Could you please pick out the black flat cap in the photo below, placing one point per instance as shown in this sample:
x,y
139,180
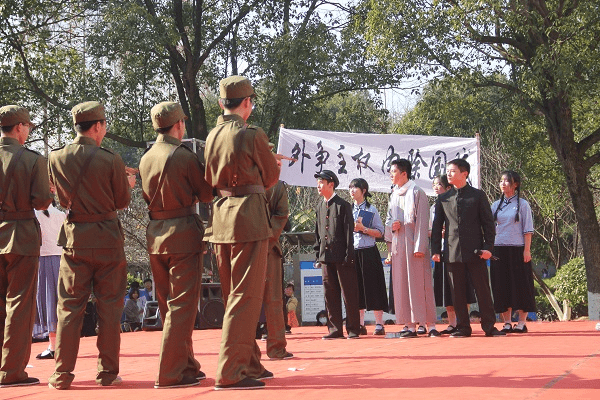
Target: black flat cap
x,y
329,176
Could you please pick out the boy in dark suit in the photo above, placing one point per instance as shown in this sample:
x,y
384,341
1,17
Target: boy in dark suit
x,y
335,255
470,234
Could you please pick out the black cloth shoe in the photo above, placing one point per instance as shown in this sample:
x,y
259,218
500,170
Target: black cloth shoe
x,y
353,335
459,334
449,330
363,330
184,382
408,335
265,375
244,384
333,335
507,328
45,355
434,333
200,376
421,330
495,332
25,382
515,329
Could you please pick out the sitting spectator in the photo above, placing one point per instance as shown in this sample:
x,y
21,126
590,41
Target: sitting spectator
x,y
147,292
132,312
291,304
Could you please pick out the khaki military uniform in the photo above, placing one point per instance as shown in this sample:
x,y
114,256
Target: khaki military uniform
x,y
92,240
175,246
273,300
238,161
20,242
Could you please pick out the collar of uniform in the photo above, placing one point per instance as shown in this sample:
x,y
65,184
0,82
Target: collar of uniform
x,y
230,117
462,189
7,141
168,139
330,200
84,140
359,206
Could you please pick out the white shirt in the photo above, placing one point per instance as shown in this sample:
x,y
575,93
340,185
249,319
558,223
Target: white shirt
x,y
50,227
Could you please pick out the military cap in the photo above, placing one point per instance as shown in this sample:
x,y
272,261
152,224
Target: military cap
x,y
13,115
328,176
235,87
166,114
88,111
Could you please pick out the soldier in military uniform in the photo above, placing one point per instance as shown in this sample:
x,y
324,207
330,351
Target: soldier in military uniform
x,y
24,186
172,183
240,165
91,183
273,300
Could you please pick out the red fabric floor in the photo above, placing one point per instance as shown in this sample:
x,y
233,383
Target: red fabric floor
x,y
554,360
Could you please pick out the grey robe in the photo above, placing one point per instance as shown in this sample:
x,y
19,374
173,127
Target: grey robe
x,y
411,276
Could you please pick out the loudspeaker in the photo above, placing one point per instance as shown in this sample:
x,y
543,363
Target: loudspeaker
x,y
210,307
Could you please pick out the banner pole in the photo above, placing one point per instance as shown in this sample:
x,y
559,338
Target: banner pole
x,y
478,138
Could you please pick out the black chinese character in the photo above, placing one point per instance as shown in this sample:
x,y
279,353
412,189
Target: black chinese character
x,y
296,152
362,161
390,156
322,156
438,164
416,160
342,163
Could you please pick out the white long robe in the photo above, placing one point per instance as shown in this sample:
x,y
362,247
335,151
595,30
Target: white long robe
x,y
411,276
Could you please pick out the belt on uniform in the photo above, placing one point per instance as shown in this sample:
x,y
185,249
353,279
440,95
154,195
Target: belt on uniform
x,y
168,214
16,215
91,217
241,190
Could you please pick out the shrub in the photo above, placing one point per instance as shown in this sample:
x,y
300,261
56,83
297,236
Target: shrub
x,y
570,283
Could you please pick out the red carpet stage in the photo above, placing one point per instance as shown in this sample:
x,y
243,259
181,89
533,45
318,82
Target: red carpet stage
x,y
559,360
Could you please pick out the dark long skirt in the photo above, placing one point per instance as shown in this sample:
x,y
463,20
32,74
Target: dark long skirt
x,y
441,287
372,294
46,300
512,280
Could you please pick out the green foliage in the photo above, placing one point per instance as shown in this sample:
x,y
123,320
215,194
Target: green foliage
x,y
131,279
570,283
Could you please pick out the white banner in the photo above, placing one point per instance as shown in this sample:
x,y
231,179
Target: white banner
x,y
368,156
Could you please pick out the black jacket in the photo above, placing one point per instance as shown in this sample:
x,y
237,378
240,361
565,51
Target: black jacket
x,y
334,232
469,224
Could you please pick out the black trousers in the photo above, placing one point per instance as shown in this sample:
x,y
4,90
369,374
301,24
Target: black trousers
x,y
339,280
478,272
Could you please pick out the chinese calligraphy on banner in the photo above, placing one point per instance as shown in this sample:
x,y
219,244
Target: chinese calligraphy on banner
x,y
368,156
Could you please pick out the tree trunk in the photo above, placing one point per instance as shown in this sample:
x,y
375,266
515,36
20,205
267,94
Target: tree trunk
x,y
559,125
196,124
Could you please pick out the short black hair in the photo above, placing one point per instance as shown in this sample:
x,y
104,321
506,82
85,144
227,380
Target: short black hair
x,y
7,128
85,126
403,166
133,290
290,285
462,164
443,178
147,280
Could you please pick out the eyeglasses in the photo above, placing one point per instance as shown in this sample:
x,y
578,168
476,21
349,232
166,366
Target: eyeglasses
x,y
252,99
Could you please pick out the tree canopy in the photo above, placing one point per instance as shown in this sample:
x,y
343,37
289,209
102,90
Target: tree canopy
x,y
547,53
